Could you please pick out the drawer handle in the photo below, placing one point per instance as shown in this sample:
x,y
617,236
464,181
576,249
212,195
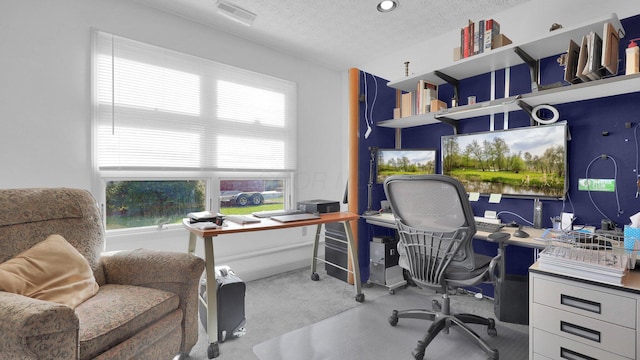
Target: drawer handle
x,y
572,355
580,331
587,305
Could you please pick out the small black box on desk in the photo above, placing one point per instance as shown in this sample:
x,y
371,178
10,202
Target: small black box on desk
x,y
319,206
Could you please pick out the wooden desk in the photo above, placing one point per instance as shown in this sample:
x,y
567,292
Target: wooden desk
x,y
387,220
264,224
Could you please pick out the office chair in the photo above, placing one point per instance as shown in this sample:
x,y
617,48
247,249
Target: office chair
x,y
436,228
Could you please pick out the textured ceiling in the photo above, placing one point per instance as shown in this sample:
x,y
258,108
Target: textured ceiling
x,y
338,34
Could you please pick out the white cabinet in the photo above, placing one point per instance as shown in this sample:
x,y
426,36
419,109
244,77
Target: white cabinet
x,y
583,320
555,42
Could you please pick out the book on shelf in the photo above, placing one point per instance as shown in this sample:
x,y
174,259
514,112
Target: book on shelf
x,y
406,104
464,45
425,93
479,39
491,33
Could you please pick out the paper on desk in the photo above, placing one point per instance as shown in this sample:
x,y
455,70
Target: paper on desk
x,y
635,220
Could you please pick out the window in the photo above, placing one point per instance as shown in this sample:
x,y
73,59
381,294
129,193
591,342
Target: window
x,y
160,113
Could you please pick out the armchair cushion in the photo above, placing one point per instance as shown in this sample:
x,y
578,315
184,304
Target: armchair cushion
x,y
118,311
51,270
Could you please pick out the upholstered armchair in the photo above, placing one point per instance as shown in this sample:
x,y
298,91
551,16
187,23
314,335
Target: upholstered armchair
x,y
61,298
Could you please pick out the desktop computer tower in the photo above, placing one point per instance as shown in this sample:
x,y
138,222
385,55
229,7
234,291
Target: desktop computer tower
x,y
511,299
383,267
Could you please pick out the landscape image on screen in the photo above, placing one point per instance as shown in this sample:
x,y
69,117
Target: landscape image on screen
x,y
404,162
528,162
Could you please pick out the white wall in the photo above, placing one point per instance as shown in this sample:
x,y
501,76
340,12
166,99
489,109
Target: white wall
x,y
528,21
45,110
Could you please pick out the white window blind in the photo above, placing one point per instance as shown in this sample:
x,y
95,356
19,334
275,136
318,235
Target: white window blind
x,y
160,109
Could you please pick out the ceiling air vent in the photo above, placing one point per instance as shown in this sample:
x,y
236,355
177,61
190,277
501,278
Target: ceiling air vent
x,y
235,13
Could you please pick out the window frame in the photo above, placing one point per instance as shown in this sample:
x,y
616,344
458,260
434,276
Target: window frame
x,y
212,176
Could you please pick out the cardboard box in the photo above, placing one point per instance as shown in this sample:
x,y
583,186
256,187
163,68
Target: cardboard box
x,y
437,105
456,54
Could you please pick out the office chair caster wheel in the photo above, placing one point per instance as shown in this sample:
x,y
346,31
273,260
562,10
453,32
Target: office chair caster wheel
x,y
315,277
491,328
418,355
393,319
360,298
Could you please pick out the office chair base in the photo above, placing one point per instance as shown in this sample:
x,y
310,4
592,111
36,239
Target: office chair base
x,y
442,322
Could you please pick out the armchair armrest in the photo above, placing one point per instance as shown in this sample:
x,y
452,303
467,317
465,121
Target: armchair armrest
x,y
31,326
143,267
175,272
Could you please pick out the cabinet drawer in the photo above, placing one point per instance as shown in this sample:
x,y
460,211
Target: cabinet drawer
x,y
553,347
579,299
537,356
585,330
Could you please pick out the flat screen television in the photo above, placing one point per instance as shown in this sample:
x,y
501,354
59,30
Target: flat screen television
x,y
404,162
528,162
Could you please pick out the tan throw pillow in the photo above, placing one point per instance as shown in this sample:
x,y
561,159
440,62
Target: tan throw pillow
x,y
52,270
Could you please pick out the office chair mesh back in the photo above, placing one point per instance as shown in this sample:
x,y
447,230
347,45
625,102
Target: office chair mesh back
x,y
435,226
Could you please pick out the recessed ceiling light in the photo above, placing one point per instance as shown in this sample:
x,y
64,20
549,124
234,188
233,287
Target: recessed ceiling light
x,y
387,5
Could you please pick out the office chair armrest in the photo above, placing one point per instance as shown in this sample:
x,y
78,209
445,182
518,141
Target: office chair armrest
x,y
499,237
496,266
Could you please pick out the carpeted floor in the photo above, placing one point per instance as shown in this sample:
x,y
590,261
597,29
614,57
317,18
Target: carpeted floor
x,y
282,303
291,317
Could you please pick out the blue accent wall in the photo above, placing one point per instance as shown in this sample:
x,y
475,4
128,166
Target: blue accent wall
x,y
587,120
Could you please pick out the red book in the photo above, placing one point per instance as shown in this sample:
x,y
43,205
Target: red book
x,y
465,44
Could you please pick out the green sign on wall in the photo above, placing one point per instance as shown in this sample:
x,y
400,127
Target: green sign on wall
x,y
606,185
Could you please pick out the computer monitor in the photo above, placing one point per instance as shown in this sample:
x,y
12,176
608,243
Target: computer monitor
x,y
404,162
529,162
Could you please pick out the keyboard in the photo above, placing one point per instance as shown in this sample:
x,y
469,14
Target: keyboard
x,y
271,213
488,227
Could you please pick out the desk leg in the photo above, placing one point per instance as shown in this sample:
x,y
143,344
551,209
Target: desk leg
x,y
192,243
354,261
212,299
316,242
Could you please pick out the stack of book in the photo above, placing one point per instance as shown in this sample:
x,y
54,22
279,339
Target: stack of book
x,y
421,101
478,37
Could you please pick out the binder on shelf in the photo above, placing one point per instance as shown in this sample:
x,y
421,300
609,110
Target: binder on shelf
x,y
571,63
582,60
592,68
610,49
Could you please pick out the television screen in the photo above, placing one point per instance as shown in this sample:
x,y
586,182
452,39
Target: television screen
x,y
404,162
519,162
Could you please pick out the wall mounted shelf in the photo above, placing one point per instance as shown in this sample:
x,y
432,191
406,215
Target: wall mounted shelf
x,y
553,43
565,94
